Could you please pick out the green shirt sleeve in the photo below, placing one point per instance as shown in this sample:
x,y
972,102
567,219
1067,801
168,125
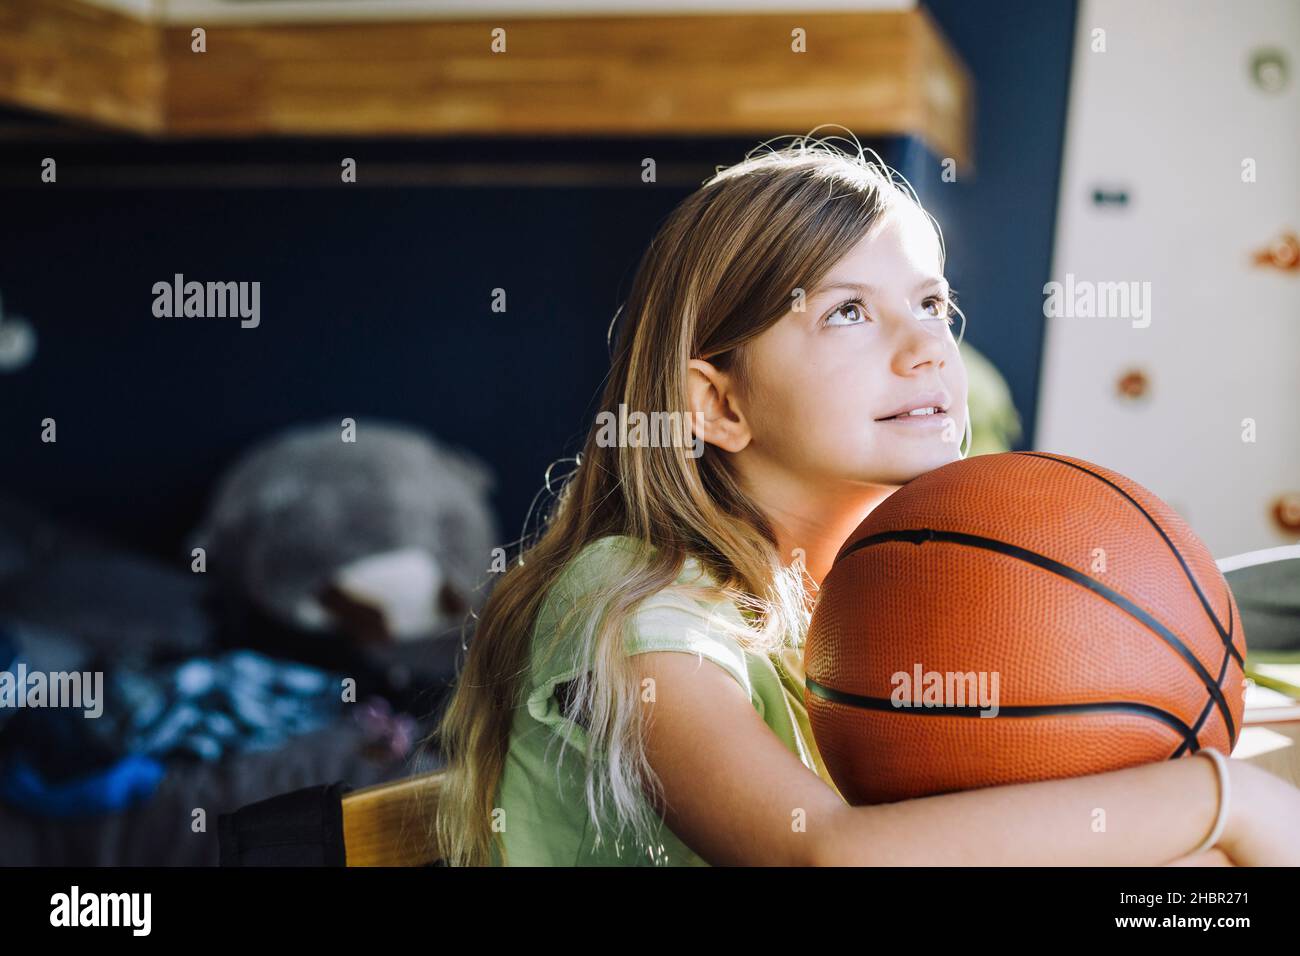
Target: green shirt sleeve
x,y
543,797
670,620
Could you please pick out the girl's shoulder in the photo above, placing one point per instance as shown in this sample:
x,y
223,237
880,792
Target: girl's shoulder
x,y
605,561
686,615
682,616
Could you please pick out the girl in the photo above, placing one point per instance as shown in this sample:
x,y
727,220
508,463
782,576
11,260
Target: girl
x,y
633,693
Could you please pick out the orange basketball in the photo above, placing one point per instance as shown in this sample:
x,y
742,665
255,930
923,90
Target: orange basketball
x,y
1066,602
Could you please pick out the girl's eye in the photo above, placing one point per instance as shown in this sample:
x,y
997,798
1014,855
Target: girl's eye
x,y
855,311
854,307
938,307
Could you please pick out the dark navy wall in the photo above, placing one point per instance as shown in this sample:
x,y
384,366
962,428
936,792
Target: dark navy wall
x,y
999,223
375,301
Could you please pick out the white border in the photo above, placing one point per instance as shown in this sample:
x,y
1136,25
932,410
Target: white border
x,y
201,12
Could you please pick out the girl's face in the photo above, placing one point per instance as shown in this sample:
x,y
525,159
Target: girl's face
x,y
874,338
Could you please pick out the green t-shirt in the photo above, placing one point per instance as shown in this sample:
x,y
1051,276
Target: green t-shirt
x,y
546,818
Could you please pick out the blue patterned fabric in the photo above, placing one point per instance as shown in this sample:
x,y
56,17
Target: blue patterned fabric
x,y
239,701
132,779
58,762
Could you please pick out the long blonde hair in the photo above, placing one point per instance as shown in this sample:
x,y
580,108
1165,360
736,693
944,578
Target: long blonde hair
x,y
721,269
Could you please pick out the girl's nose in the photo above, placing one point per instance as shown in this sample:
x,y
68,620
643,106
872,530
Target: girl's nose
x,y
918,345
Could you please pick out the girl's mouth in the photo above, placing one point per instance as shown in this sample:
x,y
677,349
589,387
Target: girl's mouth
x,y
931,417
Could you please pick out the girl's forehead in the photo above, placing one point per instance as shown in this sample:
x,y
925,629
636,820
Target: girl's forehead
x,y
903,231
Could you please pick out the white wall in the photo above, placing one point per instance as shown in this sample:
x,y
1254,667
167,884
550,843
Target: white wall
x,y
1169,112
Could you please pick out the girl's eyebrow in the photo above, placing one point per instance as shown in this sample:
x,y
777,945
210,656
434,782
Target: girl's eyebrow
x,y
866,291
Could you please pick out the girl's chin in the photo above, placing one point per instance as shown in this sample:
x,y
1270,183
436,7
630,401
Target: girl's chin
x,y
903,467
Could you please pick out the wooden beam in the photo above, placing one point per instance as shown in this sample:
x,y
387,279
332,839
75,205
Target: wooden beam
x,y
81,62
945,95
877,73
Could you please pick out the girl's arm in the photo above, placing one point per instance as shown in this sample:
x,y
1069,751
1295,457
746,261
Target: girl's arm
x,y
1214,857
736,795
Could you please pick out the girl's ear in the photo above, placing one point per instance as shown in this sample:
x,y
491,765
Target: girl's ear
x,y
714,405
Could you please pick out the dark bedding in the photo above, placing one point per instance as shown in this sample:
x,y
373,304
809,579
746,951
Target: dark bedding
x,y
71,601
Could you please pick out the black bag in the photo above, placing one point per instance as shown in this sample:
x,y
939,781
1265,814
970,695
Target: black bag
x,y
301,828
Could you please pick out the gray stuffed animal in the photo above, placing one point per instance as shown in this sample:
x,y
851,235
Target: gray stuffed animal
x,y
386,537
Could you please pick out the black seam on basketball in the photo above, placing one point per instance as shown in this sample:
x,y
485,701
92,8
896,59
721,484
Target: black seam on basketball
x,y
1232,731
1224,636
1033,710
1196,727
1209,704
921,535
1205,712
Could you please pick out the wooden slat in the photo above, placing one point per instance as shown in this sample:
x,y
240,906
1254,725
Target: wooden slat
x,y
82,62
390,824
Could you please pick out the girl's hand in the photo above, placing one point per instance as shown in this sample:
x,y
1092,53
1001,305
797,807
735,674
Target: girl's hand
x,y
1263,827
